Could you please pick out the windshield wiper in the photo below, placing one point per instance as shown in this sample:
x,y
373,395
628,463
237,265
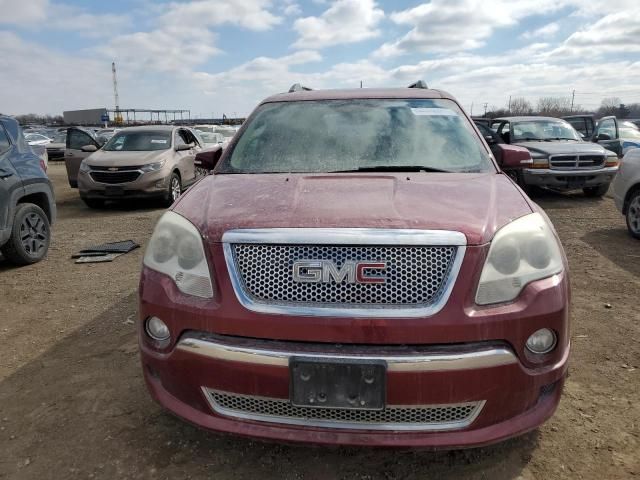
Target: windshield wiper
x,y
558,138
393,168
528,139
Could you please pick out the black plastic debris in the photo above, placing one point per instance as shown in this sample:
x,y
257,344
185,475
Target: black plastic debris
x,y
105,252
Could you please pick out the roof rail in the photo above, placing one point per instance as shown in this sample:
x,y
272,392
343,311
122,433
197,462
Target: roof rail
x,y
296,87
419,84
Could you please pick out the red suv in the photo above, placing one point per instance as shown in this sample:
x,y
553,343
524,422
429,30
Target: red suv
x,y
357,270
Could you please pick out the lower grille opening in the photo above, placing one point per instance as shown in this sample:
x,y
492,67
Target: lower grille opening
x,y
393,417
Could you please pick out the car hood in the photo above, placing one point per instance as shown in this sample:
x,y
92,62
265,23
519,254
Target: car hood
x,y
474,204
563,147
56,145
124,159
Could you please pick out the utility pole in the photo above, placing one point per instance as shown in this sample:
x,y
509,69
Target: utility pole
x,y
115,93
509,109
360,83
573,96
472,109
485,108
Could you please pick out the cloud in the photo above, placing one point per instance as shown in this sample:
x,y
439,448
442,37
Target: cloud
x,y
183,37
543,32
291,8
20,12
616,32
345,21
40,80
44,15
250,14
442,26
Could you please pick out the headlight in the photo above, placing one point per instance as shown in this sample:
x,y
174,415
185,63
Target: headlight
x,y
176,250
152,167
84,167
521,252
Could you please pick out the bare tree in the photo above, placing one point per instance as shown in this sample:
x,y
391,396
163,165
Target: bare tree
x,y
609,106
554,106
521,106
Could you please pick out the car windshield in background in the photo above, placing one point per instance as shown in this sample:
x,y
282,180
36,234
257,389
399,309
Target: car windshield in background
x,y
138,141
543,130
629,130
59,137
351,135
208,137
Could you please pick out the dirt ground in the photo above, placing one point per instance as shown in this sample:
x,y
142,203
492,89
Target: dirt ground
x,y
73,404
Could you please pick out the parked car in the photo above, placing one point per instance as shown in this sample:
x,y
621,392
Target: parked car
x,y
104,134
27,203
561,159
585,125
55,149
79,144
357,270
626,190
209,139
36,139
139,162
616,135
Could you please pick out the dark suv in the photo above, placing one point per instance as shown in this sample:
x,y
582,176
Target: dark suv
x,y
27,204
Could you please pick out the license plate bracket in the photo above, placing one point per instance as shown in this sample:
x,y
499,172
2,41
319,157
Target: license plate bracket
x,y
114,191
345,384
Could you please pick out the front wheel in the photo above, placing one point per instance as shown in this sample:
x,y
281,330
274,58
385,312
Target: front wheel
x,y
30,236
174,190
597,191
633,214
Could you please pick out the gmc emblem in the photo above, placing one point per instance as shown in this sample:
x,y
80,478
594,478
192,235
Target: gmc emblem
x,y
325,271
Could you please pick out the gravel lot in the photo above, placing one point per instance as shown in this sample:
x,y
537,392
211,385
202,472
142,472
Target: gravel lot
x,y
73,404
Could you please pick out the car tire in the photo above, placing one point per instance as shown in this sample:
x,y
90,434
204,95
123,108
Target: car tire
x,y
633,214
174,190
30,236
93,202
597,191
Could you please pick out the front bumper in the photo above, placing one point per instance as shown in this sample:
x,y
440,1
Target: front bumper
x,y
513,393
147,185
568,179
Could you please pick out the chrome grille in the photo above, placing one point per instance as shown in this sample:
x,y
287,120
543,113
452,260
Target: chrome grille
x,y
115,177
573,162
398,417
415,275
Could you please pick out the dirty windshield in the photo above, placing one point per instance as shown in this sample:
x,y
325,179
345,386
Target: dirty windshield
x,y
351,135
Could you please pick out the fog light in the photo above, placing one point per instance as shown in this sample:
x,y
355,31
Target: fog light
x,y
542,341
157,329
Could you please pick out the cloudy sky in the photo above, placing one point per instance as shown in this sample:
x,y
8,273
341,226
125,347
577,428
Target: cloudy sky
x,y
215,56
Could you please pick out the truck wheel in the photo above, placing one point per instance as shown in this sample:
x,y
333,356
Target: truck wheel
x,y
633,214
597,191
174,190
30,236
93,202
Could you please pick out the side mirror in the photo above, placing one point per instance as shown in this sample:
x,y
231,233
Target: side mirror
x,y
603,136
208,159
515,157
183,147
490,140
89,148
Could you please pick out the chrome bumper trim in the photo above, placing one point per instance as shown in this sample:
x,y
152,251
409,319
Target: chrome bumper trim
x,y
482,358
570,173
280,411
